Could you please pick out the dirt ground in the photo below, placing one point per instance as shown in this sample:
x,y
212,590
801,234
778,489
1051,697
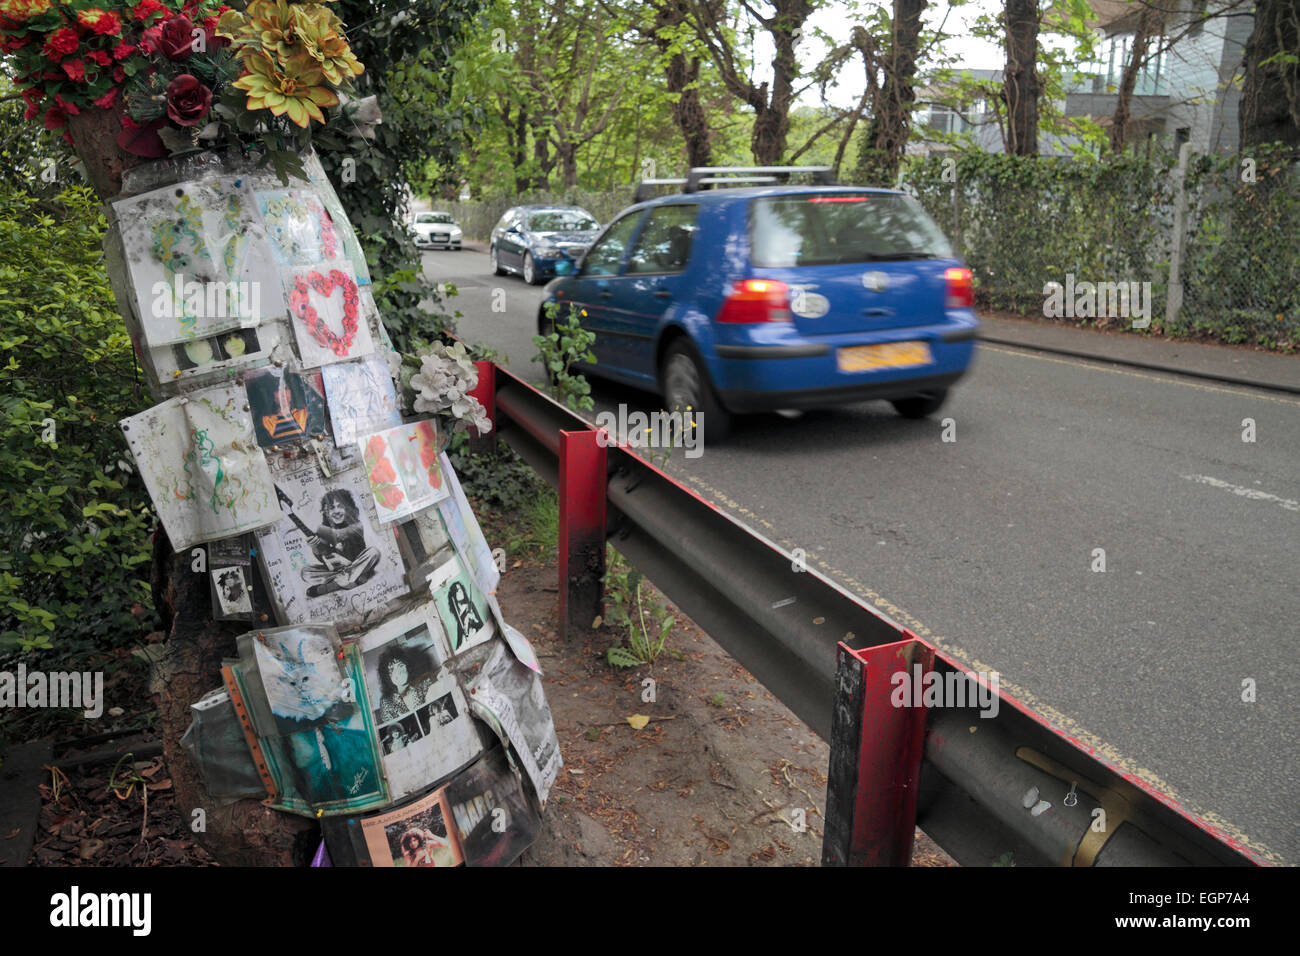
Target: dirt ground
x,y
721,773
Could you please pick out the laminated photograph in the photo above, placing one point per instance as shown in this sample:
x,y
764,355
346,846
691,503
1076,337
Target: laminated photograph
x,y
352,250
287,405
300,230
184,362
230,572
217,747
362,399
462,608
402,467
326,314
199,260
328,558
301,683
202,465
415,835
329,768
511,699
466,533
425,731
494,821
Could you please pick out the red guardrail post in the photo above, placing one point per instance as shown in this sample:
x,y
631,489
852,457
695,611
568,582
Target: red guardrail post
x,y
486,393
875,764
583,477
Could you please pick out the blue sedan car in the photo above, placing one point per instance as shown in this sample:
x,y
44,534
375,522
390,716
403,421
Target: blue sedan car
x,y
533,240
778,297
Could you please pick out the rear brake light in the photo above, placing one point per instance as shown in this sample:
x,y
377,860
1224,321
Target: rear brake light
x,y
961,291
840,199
757,300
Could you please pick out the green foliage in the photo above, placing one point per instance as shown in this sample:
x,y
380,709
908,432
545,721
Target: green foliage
x,y
538,525
626,612
499,479
718,699
566,344
74,521
1023,221
1242,269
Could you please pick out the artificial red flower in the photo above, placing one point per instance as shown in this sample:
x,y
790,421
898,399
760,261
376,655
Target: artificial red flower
x,y
188,100
60,43
101,21
119,74
76,70
11,43
142,140
106,101
33,97
55,118
123,50
147,8
176,41
65,106
100,57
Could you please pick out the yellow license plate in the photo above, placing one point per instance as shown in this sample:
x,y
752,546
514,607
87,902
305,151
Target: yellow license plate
x,y
866,358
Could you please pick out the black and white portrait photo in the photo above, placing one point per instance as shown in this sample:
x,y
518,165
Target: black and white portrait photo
x,y
232,591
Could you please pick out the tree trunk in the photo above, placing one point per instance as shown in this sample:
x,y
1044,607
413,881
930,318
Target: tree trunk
x,y
1020,82
1128,82
244,833
885,138
681,74
567,154
1270,95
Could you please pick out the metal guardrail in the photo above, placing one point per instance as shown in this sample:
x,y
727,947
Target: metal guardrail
x,y
964,779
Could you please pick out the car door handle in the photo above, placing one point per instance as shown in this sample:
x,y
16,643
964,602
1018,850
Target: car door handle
x,y
877,311
663,294
606,295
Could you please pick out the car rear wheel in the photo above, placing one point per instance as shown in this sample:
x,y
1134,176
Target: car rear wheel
x,y
686,388
496,263
918,406
530,269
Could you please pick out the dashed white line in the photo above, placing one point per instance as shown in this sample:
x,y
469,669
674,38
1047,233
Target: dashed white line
x,y
1253,494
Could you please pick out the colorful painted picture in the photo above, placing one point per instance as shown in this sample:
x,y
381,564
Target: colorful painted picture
x,y
325,192
301,681
328,559
461,606
287,405
201,464
415,835
298,226
402,467
199,260
425,731
332,767
326,314
362,399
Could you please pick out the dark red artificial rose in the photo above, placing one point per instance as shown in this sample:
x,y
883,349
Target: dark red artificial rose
x,y
60,43
188,100
176,39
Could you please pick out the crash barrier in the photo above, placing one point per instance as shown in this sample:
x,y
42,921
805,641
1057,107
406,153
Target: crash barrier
x,y
990,781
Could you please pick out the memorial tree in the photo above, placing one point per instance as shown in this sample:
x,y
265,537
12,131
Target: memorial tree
x,y
335,662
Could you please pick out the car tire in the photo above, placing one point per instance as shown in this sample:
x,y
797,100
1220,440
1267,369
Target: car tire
x,y
530,269
918,406
684,383
496,263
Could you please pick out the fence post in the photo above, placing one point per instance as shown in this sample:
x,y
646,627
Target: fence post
x,y
583,480
875,763
486,393
1174,293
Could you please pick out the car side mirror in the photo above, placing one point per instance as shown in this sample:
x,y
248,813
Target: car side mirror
x,y
564,268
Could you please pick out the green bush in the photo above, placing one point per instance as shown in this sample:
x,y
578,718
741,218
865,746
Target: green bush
x,y
75,521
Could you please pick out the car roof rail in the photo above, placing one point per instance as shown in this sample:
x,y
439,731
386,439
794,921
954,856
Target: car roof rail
x,y
717,175
645,189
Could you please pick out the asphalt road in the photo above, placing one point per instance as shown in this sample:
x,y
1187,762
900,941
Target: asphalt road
x,y
986,546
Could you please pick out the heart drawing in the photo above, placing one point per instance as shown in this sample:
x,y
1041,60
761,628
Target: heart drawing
x,y
325,286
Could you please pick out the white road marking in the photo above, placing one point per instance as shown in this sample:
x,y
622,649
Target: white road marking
x,y
1251,493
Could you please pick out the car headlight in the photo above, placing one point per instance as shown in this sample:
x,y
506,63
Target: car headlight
x,y
548,252
455,232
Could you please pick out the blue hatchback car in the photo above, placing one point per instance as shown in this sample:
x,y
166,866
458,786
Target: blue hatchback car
x,y
780,297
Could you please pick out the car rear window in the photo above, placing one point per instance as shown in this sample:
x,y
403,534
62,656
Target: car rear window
x,y
561,220
829,228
